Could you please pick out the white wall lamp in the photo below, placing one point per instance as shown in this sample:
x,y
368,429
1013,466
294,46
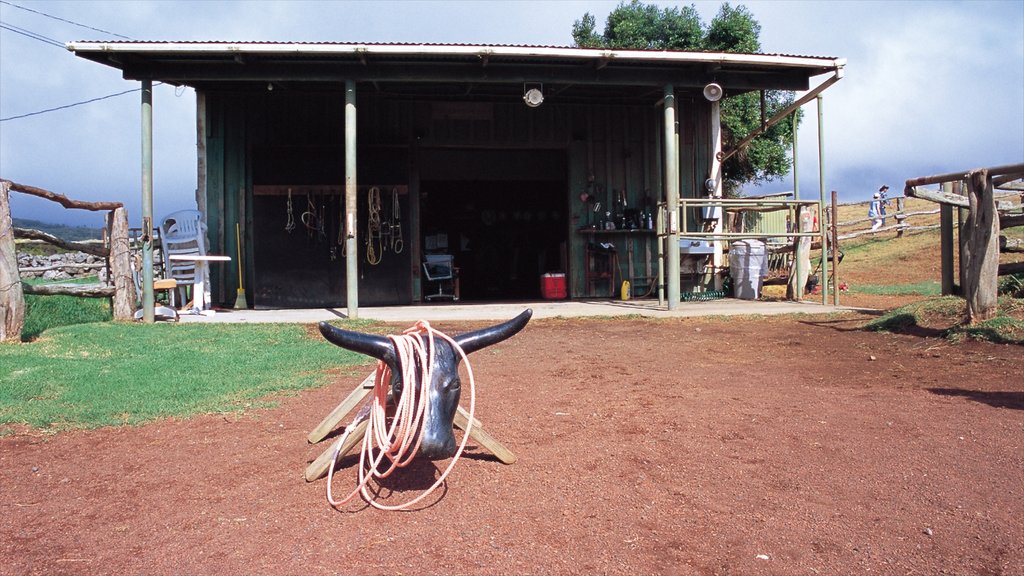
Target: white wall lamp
x,y
533,96
713,92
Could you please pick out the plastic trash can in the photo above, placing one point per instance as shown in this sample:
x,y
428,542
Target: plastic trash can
x,y
748,264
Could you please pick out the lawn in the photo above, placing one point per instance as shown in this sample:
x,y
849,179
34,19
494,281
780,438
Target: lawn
x,y
99,374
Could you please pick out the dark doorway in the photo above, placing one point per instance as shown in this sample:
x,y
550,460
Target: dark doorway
x,y
503,234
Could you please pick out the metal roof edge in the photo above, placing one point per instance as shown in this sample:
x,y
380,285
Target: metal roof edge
x,y
457,50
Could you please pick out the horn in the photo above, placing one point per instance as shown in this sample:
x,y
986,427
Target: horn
x,y
473,341
379,347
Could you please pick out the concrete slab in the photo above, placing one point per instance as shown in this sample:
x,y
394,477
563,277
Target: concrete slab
x,y
436,312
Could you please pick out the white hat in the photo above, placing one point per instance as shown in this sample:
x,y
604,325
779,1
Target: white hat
x,y
877,195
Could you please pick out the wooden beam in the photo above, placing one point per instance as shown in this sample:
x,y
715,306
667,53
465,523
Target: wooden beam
x,y
86,290
95,250
1010,221
1011,268
952,199
1010,245
62,199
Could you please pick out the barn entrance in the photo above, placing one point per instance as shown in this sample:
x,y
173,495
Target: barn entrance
x,y
505,227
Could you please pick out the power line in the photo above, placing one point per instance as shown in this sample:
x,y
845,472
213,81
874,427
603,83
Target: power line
x,y
30,34
66,106
13,5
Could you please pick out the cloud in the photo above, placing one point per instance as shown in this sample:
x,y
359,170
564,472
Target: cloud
x,y
930,86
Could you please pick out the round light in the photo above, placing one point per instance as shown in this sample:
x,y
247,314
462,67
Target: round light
x,y
713,92
533,97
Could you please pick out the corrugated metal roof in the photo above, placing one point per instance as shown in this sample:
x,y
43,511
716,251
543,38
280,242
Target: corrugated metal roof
x,y
434,44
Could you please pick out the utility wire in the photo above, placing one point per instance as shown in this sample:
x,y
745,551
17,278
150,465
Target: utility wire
x,y
30,34
13,5
75,104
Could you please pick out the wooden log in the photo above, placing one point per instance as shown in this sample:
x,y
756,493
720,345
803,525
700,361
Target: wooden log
x,y
12,299
62,199
120,260
953,199
1011,268
895,227
84,290
1010,245
72,266
94,249
981,254
318,468
338,414
483,437
1006,221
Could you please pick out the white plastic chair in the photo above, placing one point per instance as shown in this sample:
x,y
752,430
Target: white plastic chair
x,y
183,232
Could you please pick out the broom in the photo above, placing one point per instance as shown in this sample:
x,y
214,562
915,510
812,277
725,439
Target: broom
x,y
240,302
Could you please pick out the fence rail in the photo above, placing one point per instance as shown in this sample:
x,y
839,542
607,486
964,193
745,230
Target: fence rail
x,y
120,286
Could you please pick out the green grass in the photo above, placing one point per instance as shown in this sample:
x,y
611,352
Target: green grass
x,y
91,375
927,288
43,312
944,317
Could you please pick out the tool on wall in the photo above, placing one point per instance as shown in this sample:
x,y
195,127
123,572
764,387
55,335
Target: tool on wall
x,y
394,225
374,243
290,222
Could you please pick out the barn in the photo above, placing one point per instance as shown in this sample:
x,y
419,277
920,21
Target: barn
x,y
344,166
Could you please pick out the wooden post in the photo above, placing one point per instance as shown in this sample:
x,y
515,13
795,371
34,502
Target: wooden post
x,y
12,300
121,265
981,254
835,247
946,243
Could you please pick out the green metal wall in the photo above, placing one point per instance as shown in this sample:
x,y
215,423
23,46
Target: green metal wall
x,y
607,148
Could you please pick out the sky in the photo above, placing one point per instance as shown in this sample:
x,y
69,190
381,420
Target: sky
x,y
930,87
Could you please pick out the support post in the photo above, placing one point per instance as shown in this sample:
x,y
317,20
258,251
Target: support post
x,y
834,229
351,202
946,242
716,173
821,203
147,202
12,299
120,261
671,199
981,257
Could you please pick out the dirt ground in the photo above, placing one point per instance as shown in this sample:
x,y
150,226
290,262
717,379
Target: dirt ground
x,y
796,445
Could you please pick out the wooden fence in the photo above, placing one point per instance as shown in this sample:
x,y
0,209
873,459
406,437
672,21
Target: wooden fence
x,y
979,226
120,286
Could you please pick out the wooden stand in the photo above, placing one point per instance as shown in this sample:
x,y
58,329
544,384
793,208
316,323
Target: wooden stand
x,y
318,468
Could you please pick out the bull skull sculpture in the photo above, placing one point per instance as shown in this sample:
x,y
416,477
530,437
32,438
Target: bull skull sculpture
x,y
438,439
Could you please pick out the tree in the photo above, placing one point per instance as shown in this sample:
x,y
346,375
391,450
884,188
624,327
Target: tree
x,y
640,26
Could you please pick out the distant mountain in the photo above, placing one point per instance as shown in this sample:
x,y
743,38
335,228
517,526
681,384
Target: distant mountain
x,y
62,231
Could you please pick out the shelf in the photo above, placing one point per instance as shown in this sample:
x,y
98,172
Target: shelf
x,y
596,232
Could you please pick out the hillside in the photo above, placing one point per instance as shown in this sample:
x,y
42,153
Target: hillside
x,y
63,231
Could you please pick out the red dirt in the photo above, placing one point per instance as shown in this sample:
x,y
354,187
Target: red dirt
x,y
679,447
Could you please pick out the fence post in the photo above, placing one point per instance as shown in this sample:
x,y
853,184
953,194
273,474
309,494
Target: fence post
x,y
981,257
12,299
120,262
946,243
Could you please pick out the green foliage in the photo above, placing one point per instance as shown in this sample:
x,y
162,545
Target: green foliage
x,y
733,30
1012,285
91,375
642,26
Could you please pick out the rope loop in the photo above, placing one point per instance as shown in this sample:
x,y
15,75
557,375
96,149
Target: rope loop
x,y
399,440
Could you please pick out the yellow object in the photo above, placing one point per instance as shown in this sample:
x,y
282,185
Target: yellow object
x,y
240,302
625,290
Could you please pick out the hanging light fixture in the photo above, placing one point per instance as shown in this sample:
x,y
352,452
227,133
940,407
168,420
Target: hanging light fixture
x,y
533,96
